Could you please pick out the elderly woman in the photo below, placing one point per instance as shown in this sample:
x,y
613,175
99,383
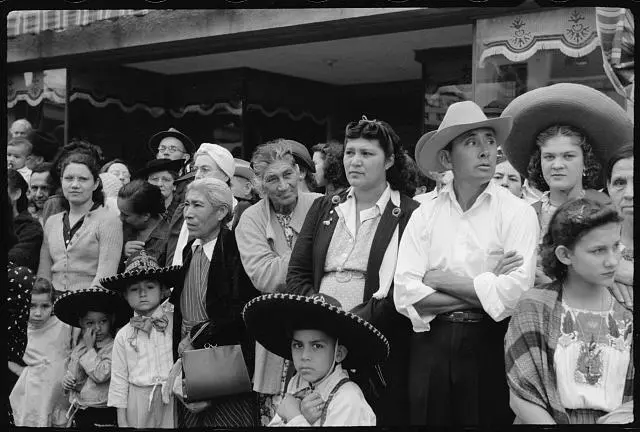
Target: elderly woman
x,y
163,173
348,249
215,290
508,177
83,243
141,208
266,234
619,174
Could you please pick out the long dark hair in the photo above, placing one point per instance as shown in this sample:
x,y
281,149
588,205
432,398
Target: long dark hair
x,y
399,176
75,146
16,182
92,164
143,197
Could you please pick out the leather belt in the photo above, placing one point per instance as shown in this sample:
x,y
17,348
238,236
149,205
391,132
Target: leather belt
x,y
464,316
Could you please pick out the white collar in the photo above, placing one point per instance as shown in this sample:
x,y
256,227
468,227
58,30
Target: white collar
x,y
382,201
489,191
207,247
325,387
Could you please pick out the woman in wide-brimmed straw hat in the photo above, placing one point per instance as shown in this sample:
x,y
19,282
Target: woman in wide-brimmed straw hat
x,y
99,312
561,137
320,338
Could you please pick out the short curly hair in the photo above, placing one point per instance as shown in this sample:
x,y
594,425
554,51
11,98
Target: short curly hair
x,y
333,153
572,221
592,167
399,176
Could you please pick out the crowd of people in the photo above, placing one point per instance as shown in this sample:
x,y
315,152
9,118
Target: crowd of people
x,y
485,280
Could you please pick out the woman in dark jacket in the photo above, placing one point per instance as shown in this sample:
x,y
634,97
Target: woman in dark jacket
x,y
348,246
26,252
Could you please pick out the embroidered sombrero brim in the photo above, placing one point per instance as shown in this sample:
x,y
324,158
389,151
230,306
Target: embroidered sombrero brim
x,y
271,319
166,275
73,305
605,123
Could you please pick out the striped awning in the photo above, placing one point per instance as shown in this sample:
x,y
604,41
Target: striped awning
x,y
36,21
616,33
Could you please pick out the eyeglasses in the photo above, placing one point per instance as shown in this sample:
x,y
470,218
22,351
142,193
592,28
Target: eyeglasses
x,y
172,149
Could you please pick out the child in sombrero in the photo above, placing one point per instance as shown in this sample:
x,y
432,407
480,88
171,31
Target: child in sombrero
x,y
143,350
323,340
98,312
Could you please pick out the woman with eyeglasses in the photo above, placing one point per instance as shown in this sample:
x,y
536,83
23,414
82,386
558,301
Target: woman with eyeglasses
x,y
266,234
348,249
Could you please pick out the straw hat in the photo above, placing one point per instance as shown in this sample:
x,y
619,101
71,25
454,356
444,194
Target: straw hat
x,y
71,306
142,266
154,141
460,117
605,124
271,319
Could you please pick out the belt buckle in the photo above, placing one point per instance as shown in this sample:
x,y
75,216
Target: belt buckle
x,y
343,276
457,316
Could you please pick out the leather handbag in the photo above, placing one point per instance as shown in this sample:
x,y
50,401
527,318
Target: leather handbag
x,y
214,371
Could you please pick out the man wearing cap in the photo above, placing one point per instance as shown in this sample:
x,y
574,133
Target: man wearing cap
x,y
243,189
465,259
210,161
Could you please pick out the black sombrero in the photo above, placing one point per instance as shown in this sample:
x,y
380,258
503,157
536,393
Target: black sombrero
x,y
157,165
605,123
142,266
271,319
154,141
73,305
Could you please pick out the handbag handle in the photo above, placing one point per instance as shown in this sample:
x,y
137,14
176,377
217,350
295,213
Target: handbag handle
x,y
200,330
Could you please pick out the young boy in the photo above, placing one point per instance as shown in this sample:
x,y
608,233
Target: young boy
x,y
18,150
98,312
143,350
320,337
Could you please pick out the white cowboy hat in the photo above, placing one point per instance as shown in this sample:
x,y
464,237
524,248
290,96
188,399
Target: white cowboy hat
x,y
460,117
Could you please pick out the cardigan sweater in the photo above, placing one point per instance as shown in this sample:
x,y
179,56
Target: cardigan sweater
x,y
388,399
26,252
93,253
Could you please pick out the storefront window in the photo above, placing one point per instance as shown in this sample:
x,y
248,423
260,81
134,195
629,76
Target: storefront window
x,y
520,53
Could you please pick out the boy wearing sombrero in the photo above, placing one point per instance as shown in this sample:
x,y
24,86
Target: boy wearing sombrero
x,y
322,340
99,313
464,261
143,348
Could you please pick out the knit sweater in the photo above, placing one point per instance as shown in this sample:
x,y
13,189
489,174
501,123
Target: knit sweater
x,y
93,253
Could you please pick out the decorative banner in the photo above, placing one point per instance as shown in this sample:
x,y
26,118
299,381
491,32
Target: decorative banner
x,y
518,37
36,21
287,112
616,33
34,87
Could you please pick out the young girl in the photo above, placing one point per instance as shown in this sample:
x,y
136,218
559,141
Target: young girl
x,y
37,400
98,312
568,347
143,350
319,337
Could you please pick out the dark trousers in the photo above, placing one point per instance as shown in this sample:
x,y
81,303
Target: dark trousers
x,y
457,375
96,417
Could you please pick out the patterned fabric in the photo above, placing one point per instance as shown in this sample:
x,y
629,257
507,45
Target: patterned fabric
x,y
228,411
145,324
546,212
530,344
193,298
285,222
91,369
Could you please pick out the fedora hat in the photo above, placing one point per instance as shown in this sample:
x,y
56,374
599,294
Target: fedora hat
x,y
157,165
605,124
243,169
272,318
71,306
460,117
154,141
142,266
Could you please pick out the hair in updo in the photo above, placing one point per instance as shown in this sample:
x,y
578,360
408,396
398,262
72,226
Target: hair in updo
x,y
592,167
572,221
399,176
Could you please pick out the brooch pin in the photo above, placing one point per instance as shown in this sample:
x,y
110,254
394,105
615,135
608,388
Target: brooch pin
x,y
396,212
327,222
335,199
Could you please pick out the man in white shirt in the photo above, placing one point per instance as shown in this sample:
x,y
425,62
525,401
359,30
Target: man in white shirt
x,y
465,259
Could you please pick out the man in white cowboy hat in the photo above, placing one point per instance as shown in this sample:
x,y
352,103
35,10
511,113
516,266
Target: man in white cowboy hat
x,y
464,260
210,161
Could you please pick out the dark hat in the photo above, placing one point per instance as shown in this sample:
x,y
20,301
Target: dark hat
x,y
142,266
301,154
157,165
272,318
44,144
71,306
606,125
154,142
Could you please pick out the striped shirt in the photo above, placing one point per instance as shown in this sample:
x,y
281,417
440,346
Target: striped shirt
x,y
194,294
